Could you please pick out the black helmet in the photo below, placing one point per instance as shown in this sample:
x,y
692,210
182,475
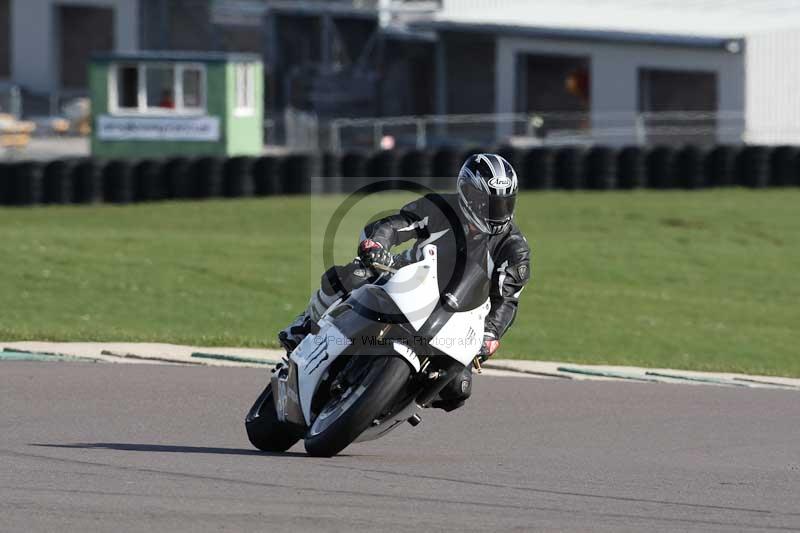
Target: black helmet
x,y
487,190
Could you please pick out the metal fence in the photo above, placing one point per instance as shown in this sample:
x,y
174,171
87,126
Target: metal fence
x,y
535,129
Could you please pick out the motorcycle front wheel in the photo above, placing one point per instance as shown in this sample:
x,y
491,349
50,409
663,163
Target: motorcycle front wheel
x,y
265,431
348,414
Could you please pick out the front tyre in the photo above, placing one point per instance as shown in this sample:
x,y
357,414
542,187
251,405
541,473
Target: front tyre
x,y
264,430
347,415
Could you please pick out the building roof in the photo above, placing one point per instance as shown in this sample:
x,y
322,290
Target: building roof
x,y
608,36
177,56
679,19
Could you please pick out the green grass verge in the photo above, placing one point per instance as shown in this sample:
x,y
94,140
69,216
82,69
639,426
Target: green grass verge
x,y
703,280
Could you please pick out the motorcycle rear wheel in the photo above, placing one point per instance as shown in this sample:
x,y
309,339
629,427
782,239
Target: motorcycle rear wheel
x,y
344,418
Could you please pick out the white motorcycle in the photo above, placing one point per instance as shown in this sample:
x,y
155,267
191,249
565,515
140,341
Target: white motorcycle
x,y
378,358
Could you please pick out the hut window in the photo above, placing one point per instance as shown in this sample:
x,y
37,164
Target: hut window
x,y
192,88
245,88
127,87
158,88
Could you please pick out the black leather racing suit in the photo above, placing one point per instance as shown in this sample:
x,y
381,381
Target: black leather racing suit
x,y
435,219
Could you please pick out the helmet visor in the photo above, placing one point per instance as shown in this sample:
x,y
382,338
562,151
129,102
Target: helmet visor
x,y
488,207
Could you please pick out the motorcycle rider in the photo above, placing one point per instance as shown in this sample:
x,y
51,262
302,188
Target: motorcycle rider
x,y
482,210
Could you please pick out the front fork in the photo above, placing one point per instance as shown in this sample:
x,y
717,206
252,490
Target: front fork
x,y
438,380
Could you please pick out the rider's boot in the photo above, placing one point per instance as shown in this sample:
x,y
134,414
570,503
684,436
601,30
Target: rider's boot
x,y
455,393
306,322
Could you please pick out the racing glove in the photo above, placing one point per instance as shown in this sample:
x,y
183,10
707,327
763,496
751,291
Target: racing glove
x,y
373,253
489,347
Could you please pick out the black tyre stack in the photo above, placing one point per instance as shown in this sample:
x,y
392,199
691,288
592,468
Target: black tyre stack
x,y
783,165
237,177
540,169
267,172
569,168
118,183
26,183
87,182
5,183
147,184
331,173
689,168
57,182
601,169
416,166
446,165
383,166
753,167
206,176
354,171
661,167
631,168
721,166
298,171
176,179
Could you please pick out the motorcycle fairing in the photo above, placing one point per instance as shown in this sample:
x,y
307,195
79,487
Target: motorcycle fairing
x,y
451,340
415,288
312,357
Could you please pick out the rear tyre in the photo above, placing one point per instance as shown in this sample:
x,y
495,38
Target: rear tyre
x,y
265,431
345,417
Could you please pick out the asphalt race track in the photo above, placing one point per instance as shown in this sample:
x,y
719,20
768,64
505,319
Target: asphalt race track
x,y
105,447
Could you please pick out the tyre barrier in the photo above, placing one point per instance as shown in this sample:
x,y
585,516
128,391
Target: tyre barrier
x,y
721,166
206,175
331,165
266,171
5,183
330,174
385,164
26,183
446,164
598,168
515,156
753,167
237,177
354,171
689,168
118,187
415,166
147,184
601,169
57,182
631,168
660,165
175,178
87,182
298,170
783,166
569,168
540,170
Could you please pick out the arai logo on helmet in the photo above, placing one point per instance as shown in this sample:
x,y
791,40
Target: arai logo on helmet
x,y
500,182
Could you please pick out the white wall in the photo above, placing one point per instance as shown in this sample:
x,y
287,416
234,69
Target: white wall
x,y
717,18
34,38
615,78
773,88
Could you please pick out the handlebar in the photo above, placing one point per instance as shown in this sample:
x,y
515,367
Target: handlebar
x,y
384,268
